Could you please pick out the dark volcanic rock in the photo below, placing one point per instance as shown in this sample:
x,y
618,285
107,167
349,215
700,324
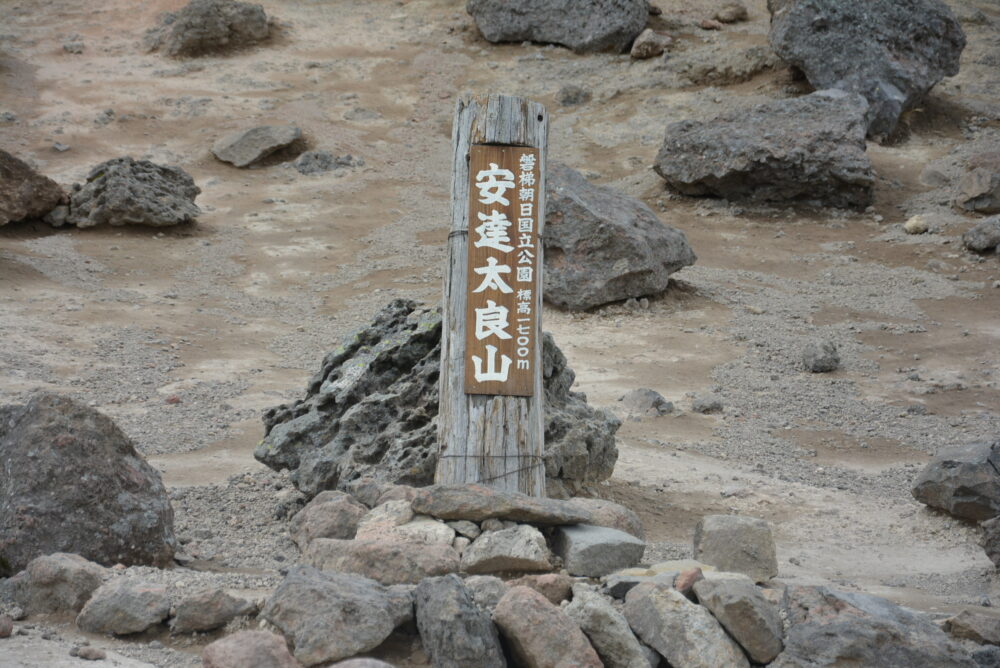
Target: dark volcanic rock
x,y
809,149
454,631
602,246
890,51
979,190
983,236
71,481
137,192
207,26
372,409
582,25
990,540
963,481
832,628
24,193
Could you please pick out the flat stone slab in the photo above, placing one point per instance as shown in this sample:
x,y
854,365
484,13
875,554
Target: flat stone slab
x,y
594,551
245,147
477,503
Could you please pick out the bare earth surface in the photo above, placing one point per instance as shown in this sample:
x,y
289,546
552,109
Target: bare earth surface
x,y
233,314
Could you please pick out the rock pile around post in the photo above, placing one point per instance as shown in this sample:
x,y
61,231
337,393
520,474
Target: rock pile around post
x,y
809,149
371,412
890,52
602,246
584,25
125,191
24,193
80,487
209,26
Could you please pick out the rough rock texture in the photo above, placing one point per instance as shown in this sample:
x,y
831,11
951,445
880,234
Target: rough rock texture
x,y
245,147
486,590
207,610
983,236
539,634
124,606
685,634
54,583
890,51
389,562
809,149
963,481
606,513
71,481
478,502
594,551
209,26
454,631
737,545
372,409
330,514
603,246
607,629
519,548
646,402
582,25
557,587
124,191
981,625
750,619
318,162
331,616
820,356
831,628
650,44
248,649
24,193
990,540
979,190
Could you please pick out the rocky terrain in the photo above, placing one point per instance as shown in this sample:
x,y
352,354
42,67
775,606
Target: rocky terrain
x,y
199,204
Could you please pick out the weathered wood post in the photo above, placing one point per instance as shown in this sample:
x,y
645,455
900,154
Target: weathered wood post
x,y
490,423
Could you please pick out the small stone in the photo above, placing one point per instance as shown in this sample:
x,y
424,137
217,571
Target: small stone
x,y
572,95
486,590
330,514
820,356
539,634
123,606
521,548
646,402
983,236
737,544
593,551
710,24
245,147
466,528
91,654
916,225
732,12
650,44
979,190
554,586
249,649
6,626
685,581
707,403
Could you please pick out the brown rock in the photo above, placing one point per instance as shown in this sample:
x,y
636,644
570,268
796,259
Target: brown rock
x,y
478,503
329,515
59,582
733,12
556,587
710,24
249,649
540,635
207,610
650,44
88,653
24,193
390,562
981,625
6,626
684,582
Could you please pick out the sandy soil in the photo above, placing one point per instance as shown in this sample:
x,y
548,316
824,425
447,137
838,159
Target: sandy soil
x,y
232,315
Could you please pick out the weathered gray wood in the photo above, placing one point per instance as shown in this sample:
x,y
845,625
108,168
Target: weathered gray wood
x,y
495,440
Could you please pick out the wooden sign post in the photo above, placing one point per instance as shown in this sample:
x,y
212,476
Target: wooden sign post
x,y
490,420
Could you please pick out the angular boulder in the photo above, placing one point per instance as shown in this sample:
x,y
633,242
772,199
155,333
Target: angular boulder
x,y
736,544
582,25
809,149
24,193
602,246
124,606
981,625
80,487
55,583
248,649
963,481
388,562
594,551
983,236
752,620
607,629
208,609
539,634
831,628
371,412
979,190
519,548
330,514
124,191
331,616
245,147
685,634
454,631
209,26
890,52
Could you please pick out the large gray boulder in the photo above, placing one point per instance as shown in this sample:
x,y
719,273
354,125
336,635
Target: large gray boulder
x,y
963,481
602,246
594,551
890,51
124,191
209,26
809,149
372,411
832,628
582,25
519,548
24,193
71,481
737,544
454,631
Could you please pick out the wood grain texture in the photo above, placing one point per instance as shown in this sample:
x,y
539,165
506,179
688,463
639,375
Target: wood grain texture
x,y
495,440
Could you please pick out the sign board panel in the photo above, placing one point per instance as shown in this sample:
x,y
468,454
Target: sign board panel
x,y
503,287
